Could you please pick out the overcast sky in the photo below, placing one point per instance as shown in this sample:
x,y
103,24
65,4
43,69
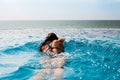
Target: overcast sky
x,y
59,9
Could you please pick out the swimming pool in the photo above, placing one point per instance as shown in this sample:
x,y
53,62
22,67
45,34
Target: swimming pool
x,y
92,54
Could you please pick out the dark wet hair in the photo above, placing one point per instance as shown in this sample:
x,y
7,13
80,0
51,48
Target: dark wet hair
x,y
50,37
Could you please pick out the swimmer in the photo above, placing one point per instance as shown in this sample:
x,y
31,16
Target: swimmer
x,y
52,66
52,44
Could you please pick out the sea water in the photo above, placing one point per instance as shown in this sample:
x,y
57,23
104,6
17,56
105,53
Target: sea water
x,y
90,53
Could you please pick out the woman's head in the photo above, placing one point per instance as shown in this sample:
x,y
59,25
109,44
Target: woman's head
x,y
51,37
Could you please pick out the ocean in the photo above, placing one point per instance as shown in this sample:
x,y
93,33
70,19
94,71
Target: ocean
x,y
60,24
92,50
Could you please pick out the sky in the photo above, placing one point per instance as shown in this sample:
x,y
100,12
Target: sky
x,y
59,9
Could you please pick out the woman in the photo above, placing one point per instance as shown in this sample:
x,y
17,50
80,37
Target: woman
x,y
52,66
52,44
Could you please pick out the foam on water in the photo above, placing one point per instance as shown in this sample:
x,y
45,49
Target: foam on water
x,y
92,53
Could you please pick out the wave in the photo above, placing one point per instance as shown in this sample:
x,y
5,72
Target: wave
x,y
21,74
71,46
86,45
86,56
27,47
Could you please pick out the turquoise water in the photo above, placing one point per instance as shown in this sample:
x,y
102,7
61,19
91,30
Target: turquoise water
x,y
92,54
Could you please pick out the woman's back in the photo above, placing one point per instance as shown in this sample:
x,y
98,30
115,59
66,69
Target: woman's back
x,y
58,46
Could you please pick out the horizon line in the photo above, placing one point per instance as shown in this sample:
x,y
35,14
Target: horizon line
x,y
66,20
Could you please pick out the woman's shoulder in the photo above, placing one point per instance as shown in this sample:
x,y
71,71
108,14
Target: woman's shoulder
x,y
61,39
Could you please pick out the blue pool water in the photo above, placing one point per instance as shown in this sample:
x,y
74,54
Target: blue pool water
x,y
92,54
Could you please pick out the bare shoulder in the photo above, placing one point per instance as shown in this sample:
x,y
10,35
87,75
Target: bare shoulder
x,y
61,39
